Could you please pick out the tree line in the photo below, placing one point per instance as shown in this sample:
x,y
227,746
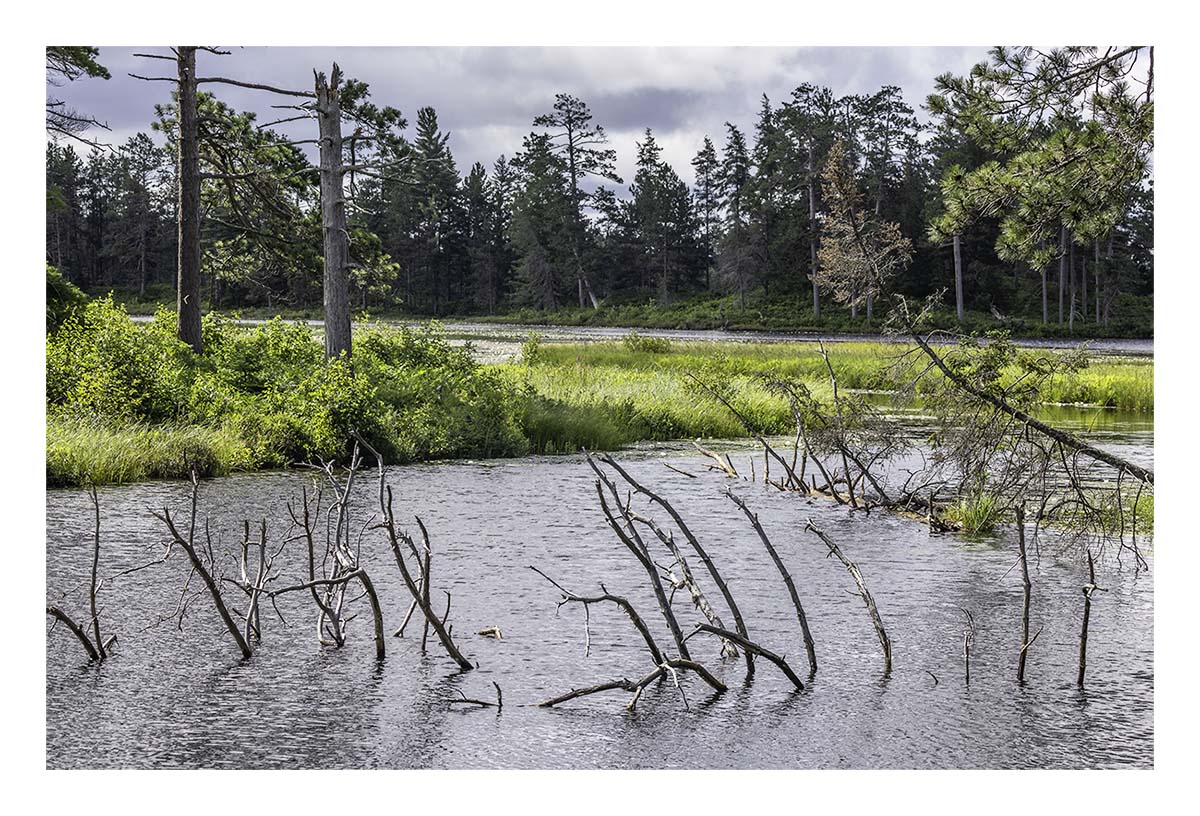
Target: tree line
x,y
547,227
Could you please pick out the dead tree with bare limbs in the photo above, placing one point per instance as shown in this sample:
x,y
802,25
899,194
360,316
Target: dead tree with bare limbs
x,y
204,564
403,546
693,542
834,550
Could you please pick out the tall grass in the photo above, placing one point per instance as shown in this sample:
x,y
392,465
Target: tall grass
x,y
78,452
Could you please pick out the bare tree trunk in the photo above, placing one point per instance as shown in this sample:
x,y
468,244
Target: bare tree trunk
x,y
187,301
336,239
812,237
1096,272
958,278
1071,284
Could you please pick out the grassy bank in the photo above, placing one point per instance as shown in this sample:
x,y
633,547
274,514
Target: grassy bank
x,y
127,402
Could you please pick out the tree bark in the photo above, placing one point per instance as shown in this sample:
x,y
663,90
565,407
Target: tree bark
x,y
958,277
187,300
336,239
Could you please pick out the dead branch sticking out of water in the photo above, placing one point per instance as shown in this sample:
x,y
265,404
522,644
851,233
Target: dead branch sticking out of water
x,y
753,648
204,565
809,647
852,568
968,642
399,540
606,597
663,665
95,646
1027,587
628,535
465,700
1088,589
693,542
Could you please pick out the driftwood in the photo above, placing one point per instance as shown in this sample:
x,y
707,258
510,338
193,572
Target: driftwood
x,y
852,568
693,542
637,686
809,647
465,700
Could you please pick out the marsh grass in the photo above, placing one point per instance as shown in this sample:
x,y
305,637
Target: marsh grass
x,y
80,451
976,513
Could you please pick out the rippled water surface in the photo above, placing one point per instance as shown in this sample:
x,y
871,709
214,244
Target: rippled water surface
x,y
170,698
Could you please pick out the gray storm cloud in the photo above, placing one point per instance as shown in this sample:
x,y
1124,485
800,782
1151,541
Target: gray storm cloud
x,y
487,97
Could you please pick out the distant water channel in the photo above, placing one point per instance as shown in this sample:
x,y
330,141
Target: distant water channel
x,y
183,699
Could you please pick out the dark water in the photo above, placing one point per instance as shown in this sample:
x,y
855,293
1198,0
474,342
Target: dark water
x,y
183,699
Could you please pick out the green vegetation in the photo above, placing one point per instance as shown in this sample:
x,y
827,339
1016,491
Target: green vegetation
x,y
976,513
127,401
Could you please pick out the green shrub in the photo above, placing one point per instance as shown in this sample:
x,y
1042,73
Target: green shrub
x,y
646,345
63,299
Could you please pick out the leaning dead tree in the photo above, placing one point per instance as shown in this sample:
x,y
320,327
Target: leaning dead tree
x,y
94,644
990,447
809,646
834,550
625,523
710,566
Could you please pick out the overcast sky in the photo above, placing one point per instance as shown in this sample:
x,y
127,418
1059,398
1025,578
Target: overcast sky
x,y
487,97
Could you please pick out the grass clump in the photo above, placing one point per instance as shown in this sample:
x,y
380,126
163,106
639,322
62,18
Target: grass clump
x,y
975,513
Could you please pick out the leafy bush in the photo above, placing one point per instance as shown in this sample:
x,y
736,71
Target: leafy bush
x,y
63,298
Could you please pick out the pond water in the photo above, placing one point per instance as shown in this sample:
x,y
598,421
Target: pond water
x,y
183,699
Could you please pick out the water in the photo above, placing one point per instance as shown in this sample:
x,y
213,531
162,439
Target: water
x,y
170,698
